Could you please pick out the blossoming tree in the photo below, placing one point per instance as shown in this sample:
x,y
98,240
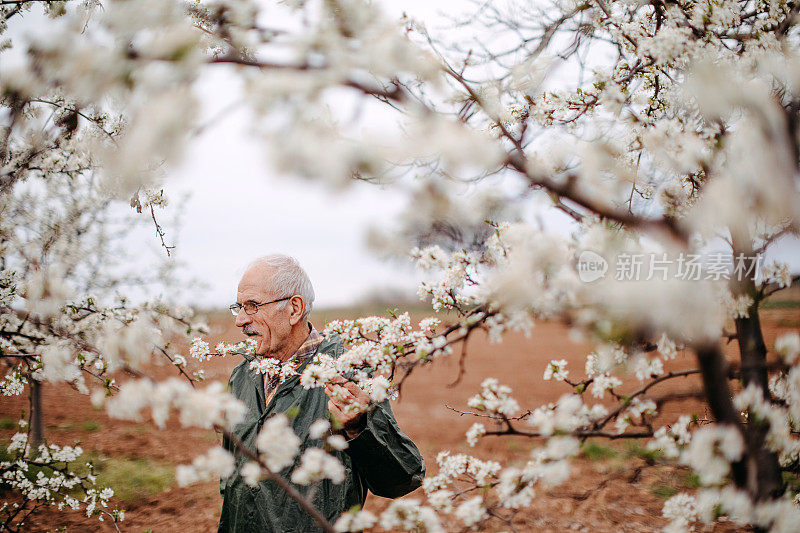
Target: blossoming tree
x,y
659,129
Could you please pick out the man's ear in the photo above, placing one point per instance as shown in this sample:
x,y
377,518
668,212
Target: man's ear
x,y
297,307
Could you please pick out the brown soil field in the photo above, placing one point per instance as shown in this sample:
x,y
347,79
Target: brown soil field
x,y
614,486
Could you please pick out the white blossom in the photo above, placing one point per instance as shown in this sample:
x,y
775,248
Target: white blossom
x,y
199,349
277,443
675,139
788,346
337,442
475,432
777,273
667,347
409,515
318,428
316,465
681,511
251,473
711,451
215,463
556,370
355,521
515,489
471,512
671,440
441,500
602,383
568,414
494,398
645,368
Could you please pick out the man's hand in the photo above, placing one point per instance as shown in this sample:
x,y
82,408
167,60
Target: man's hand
x,y
348,404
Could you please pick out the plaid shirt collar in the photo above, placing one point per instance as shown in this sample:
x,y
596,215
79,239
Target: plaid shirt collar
x,y
309,346
305,351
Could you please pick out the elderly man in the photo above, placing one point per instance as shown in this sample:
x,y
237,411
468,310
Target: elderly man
x,y
273,303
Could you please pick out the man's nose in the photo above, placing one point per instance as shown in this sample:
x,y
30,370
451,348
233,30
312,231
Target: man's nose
x,y
242,318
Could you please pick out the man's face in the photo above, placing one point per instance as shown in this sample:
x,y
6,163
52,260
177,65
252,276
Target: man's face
x,y
269,326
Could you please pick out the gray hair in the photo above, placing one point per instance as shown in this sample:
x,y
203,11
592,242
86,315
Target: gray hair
x,y
288,279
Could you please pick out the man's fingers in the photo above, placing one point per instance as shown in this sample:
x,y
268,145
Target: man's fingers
x,y
352,388
357,392
338,380
339,414
335,411
349,386
339,409
333,387
347,398
338,393
339,383
333,408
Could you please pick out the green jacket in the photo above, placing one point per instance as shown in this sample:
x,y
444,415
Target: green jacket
x,y
381,458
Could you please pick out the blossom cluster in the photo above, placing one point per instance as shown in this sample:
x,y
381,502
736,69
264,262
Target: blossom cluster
x,y
201,350
494,399
670,440
684,510
215,463
377,347
355,520
508,488
568,414
59,479
205,408
780,421
712,450
458,272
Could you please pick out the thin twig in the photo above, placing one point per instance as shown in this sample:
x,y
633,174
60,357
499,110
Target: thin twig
x,y
160,232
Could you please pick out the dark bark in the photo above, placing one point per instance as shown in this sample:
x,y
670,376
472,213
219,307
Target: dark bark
x,y
715,371
752,350
763,469
764,476
36,437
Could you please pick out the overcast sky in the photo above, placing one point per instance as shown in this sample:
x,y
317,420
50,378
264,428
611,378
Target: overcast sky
x,y
238,211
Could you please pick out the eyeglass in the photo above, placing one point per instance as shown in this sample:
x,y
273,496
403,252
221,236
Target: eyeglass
x,y
251,307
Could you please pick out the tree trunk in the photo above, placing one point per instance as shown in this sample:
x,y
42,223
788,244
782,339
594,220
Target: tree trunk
x,y
37,427
714,369
763,469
